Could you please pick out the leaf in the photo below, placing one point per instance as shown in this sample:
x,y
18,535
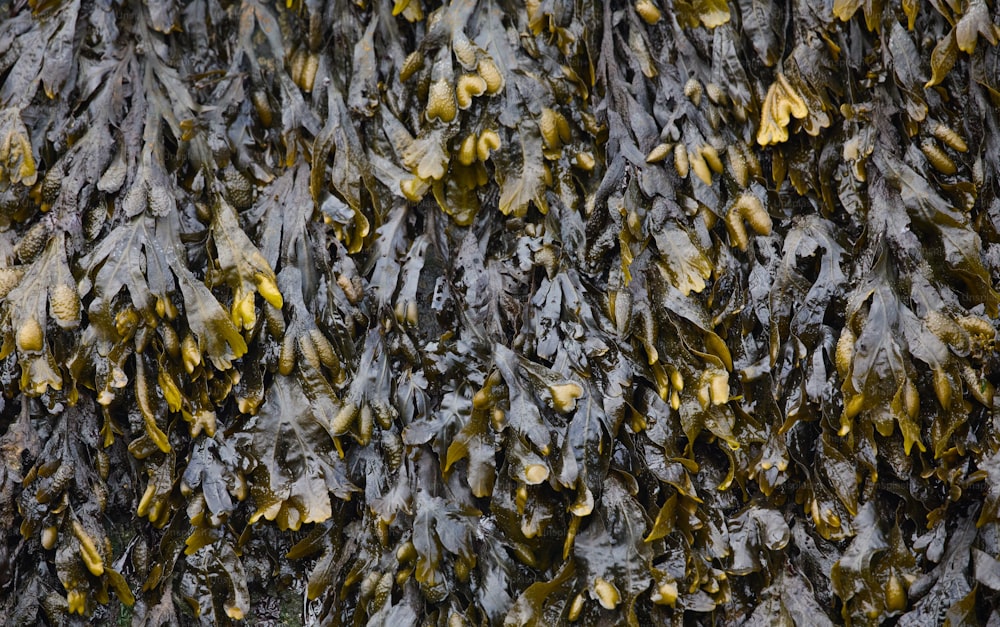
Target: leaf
x,y
59,56
351,170
524,415
962,611
155,503
534,605
852,573
476,443
753,531
163,16
241,266
390,250
906,66
217,565
841,475
975,22
152,410
760,19
878,365
782,103
21,440
31,304
799,304
986,569
789,600
582,464
845,9
439,527
950,575
215,467
426,156
612,549
118,261
686,265
943,58
959,240
523,183
499,578
16,158
712,13
150,243
299,468
989,468
218,338
46,57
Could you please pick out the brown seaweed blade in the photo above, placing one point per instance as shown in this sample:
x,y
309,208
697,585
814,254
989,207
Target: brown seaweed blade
x,y
639,313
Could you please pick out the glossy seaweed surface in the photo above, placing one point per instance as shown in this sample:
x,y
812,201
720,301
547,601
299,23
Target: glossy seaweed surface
x,y
497,313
